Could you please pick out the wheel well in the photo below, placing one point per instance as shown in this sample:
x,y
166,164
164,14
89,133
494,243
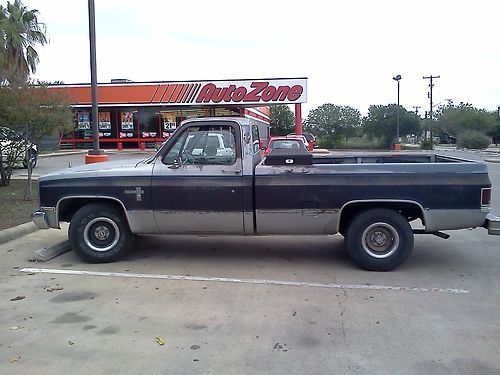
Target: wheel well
x,y
411,211
68,207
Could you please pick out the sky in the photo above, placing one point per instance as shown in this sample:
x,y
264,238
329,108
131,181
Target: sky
x,y
348,50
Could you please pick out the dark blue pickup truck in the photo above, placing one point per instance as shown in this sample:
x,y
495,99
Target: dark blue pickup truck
x,y
210,178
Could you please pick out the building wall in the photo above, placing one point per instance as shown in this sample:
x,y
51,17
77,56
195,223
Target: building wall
x,y
134,114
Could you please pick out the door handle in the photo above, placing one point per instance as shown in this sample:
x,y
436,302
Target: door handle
x,y
231,171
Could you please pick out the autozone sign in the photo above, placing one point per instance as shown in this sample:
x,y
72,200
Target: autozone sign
x,y
257,91
188,93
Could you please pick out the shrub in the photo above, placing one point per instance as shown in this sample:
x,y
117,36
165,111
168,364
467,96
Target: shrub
x,y
472,139
362,143
426,145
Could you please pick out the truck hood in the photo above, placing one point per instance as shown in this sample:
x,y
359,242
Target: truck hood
x,y
111,168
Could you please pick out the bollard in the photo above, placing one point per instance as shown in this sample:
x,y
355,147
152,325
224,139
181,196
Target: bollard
x,y
89,159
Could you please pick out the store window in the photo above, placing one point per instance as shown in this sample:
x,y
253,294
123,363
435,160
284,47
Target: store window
x,y
169,120
83,126
105,128
226,112
149,122
128,123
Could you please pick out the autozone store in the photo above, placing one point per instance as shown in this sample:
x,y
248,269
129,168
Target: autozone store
x,y
139,115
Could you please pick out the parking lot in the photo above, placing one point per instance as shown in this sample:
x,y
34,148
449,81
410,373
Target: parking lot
x,y
231,305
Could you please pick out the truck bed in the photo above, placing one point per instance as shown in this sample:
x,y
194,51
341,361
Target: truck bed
x,y
384,158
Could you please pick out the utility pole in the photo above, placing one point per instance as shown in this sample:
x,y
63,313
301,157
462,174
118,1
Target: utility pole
x,y
417,107
429,94
397,146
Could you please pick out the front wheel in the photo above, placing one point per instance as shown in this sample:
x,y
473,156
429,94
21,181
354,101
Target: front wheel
x,y
99,233
379,239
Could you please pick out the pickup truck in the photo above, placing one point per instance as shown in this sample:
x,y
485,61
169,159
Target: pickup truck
x,y
190,186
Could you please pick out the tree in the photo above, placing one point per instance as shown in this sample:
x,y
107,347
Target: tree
x,y
495,131
381,123
20,31
455,119
31,112
332,123
282,120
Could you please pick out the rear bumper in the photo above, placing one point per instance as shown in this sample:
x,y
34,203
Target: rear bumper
x,y
492,223
45,218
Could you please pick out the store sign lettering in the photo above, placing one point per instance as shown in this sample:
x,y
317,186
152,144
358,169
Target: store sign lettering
x,y
260,91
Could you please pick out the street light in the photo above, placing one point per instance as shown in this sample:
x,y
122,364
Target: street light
x,y
397,79
95,155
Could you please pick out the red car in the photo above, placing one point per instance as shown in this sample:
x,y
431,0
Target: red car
x,y
284,143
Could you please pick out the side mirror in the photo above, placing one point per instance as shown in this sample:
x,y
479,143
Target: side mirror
x,y
175,164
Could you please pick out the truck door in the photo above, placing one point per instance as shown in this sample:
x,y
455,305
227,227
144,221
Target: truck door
x,y
197,183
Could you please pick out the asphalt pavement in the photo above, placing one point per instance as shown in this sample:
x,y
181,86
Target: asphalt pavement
x,y
252,305
62,160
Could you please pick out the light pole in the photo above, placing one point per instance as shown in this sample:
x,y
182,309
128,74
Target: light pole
x,y
397,79
95,155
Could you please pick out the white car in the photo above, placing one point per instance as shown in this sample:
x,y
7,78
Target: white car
x,y
10,141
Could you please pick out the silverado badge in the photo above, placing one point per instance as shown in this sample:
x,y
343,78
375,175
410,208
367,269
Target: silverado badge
x,y
138,193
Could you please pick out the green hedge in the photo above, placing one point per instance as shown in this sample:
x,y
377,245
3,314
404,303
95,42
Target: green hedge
x,y
473,139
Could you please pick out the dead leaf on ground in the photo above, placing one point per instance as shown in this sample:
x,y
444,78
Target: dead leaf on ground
x,y
18,298
47,289
160,341
15,328
15,359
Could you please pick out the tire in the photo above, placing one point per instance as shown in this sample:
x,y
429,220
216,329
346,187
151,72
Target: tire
x,y
99,233
379,239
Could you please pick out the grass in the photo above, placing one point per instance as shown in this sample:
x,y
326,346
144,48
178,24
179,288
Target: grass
x,y
14,210
359,143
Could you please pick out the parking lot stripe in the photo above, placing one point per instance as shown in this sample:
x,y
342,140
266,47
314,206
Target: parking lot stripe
x,y
243,281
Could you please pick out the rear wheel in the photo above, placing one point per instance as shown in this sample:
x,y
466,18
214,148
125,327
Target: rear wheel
x,y
379,239
99,233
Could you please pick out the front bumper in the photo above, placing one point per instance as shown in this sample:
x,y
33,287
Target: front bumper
x,y
492,223
45,218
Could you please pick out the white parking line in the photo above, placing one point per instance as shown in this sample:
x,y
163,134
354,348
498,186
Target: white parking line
x,y
243,281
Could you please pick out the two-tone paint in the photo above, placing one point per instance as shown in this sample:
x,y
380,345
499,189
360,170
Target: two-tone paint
x,y
250,197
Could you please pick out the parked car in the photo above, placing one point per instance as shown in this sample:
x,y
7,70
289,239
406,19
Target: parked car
x,y
10,142
284,143
301,137
309,139
447,140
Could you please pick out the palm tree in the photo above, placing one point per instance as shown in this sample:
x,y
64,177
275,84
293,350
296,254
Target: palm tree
x,y
19,32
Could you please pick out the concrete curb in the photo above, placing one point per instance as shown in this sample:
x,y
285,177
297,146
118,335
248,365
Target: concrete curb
x,y
62,153
47,253
23,177
10,234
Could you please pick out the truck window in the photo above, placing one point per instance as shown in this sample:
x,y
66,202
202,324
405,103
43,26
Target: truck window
x,y
203,145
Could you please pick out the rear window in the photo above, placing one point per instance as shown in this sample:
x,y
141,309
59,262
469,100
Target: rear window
x,y
285,144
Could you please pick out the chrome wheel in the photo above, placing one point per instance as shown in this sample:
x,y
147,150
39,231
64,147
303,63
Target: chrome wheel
x,y
101,234
380,240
